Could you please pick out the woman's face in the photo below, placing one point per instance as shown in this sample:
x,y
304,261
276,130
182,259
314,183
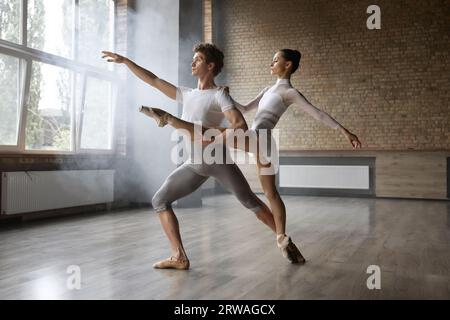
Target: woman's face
x,y
278,65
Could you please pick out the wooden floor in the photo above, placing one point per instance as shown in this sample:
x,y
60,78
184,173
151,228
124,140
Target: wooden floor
x,y
234,256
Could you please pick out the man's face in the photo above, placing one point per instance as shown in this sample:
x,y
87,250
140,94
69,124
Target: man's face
x,y
199,66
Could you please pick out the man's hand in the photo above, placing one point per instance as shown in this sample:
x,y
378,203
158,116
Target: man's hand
x,y
225,88
113,57
145,75
236,119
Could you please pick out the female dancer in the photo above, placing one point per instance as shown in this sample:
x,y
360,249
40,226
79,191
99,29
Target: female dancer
x,y
270,103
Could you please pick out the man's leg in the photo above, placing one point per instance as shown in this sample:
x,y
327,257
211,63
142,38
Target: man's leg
x,y
231,177
180,183
171,227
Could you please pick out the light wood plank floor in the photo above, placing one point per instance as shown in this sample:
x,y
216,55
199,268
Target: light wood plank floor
x,y
233,255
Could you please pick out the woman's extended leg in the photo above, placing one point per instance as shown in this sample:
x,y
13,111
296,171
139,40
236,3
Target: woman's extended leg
x,y
284,242
276,204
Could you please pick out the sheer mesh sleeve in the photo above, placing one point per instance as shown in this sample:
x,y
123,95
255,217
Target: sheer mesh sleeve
x,y
252,105
292,96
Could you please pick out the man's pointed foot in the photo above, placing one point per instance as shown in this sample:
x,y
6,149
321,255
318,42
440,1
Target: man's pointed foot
x,y
161,117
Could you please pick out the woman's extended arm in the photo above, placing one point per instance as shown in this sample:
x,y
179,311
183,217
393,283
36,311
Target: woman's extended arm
x,y
251,105
292,96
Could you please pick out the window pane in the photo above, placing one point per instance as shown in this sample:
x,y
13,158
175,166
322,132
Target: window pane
x,y
49,108
10,20
96,31
97,115
50,26
9,101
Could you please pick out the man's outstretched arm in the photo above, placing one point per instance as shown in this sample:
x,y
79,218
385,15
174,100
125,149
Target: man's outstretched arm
x,y
145,75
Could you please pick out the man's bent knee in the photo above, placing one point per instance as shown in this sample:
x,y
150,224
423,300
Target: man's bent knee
x,y
159,204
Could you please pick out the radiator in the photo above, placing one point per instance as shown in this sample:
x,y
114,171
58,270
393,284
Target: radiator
x,y
324,176
45,190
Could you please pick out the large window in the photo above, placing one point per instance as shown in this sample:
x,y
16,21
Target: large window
x,y
57,92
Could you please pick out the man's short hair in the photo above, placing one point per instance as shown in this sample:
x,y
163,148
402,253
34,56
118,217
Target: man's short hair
x,y
212,54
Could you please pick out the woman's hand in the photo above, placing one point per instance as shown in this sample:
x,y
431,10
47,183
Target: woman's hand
x,y
113,57
353,139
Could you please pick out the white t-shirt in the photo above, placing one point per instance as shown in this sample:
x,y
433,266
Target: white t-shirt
x,y
206,106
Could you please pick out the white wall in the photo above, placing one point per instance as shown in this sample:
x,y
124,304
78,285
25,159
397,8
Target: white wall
x,y
153,44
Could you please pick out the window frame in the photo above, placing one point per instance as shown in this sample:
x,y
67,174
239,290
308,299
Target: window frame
x,y
28,55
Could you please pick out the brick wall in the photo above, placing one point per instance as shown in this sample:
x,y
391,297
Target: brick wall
x,y
389,86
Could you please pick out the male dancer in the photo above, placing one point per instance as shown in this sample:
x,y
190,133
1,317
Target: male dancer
x,y
213,107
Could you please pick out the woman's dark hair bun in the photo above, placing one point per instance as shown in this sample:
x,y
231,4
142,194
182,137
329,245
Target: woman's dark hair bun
x,y
294,56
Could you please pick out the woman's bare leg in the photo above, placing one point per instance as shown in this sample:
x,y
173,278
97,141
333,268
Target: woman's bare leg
x,y
276,204
284,242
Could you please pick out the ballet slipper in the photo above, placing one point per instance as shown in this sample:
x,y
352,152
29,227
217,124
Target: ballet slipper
x,y
289,250
172,263
161,117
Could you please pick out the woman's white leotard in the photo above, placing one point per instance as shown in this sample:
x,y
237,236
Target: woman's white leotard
x,y
273,101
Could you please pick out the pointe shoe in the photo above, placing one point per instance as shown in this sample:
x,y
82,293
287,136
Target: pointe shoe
x,y
172,263
289,250
160,116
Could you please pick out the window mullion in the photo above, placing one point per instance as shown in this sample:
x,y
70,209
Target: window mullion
x,y
20,85
25,92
